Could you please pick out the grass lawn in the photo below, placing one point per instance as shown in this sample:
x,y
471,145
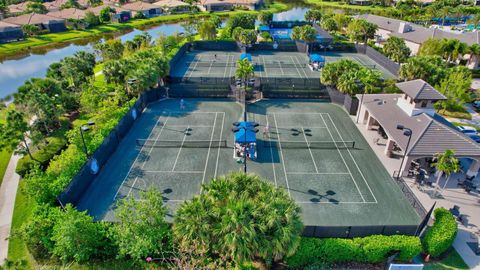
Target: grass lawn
x,y
50,40
451,261
468,125
17,249
462,114
4,154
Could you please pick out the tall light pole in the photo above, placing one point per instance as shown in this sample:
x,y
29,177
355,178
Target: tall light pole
x,y
85,128
407,132
362,87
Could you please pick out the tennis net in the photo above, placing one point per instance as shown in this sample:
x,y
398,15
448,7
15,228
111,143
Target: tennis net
x,y
233,64
311,144
184,144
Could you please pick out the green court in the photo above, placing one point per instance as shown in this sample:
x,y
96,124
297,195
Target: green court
x,y
308,150
267,64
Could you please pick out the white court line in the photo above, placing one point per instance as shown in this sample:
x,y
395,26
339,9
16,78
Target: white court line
x,y
303,69
343,159
210,67
281,69
358,168
264,66
218,151
209,147
193,69
228,61
179,151
136,158
281,154
284,127
310,150
271,153
184,112
173,171
294,62
231,68
181,126
151,149
320,173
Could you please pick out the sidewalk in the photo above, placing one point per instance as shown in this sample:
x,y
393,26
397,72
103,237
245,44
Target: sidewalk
x,y
452,195
475,117
8,192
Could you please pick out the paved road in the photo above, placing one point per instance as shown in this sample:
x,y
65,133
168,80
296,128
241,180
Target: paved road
x,y
8,192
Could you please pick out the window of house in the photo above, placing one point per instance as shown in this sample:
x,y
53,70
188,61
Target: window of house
x,y
424,104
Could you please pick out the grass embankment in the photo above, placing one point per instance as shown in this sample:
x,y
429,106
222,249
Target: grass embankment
x,y
468,125
52,40
4,154
456,114
342,5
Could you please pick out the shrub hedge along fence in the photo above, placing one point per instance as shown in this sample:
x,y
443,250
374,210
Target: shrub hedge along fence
x,y
441,235
370,249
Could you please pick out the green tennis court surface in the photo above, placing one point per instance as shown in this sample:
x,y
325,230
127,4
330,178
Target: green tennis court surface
x,y
268,64
308,151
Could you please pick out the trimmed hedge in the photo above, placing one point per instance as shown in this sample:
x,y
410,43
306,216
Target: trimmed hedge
x,y
43,156
371,249
441,235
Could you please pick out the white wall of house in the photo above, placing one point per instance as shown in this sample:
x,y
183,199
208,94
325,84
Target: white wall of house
x,y
414,47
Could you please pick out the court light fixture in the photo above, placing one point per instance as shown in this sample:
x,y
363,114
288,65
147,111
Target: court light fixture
x,y
85,128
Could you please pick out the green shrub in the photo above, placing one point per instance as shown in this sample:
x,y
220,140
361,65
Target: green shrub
x,y
42,156
442,234
371,249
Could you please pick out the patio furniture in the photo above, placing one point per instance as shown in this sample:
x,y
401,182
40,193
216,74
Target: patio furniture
x,y
455,210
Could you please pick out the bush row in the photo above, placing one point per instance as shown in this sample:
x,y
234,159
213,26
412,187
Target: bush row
x,y
42,157
442,234
371,249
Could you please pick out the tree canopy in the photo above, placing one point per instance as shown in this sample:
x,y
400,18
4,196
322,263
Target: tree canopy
x,y
239,217
360,30
396,49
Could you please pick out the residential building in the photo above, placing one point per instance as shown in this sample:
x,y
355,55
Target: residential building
x,y
68,13
413,34
17,9
430,132
120,15
56,5
174,6
10,32
148,10
44,22
222,5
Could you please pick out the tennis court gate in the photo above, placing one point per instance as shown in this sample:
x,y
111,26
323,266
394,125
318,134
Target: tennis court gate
x,y
201,87
293,88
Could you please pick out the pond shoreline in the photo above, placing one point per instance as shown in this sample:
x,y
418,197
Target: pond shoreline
x,y
47,42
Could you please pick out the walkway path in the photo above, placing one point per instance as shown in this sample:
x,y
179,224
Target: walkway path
x,y
8,192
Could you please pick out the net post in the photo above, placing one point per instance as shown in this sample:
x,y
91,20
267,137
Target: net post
x,y
353,144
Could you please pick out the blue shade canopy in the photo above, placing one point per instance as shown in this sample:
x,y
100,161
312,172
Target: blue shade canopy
x,y
246,133
263,28
246,56
317,58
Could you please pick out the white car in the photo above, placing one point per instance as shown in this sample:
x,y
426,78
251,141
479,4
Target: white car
x,y
467,129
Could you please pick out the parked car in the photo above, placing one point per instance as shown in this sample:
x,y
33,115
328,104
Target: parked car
x,y
474,137
467,129
476,104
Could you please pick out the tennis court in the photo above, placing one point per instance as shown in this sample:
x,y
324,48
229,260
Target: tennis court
x,y
312,150
268,64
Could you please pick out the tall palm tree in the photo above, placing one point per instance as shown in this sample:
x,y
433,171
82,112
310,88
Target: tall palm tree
x,y
244,71
305,33
474,51
444,13
445,163
474,21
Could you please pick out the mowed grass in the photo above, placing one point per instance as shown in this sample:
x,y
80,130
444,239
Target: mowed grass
x,y
450,262
342,5
51,40
5,154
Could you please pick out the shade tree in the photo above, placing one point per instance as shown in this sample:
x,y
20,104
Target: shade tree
x,y
396,49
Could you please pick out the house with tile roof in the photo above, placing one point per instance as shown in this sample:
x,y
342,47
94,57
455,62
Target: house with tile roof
x,y
173,6
430,132
68,13
44,22
222,5
415,35
10,32
148,10
119,15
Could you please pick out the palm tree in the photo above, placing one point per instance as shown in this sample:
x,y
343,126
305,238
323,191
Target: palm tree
x,y
305,33
475,21
444,13
244,71
474,51
446,163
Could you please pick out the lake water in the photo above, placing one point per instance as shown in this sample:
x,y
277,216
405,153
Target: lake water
x,y
13,73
